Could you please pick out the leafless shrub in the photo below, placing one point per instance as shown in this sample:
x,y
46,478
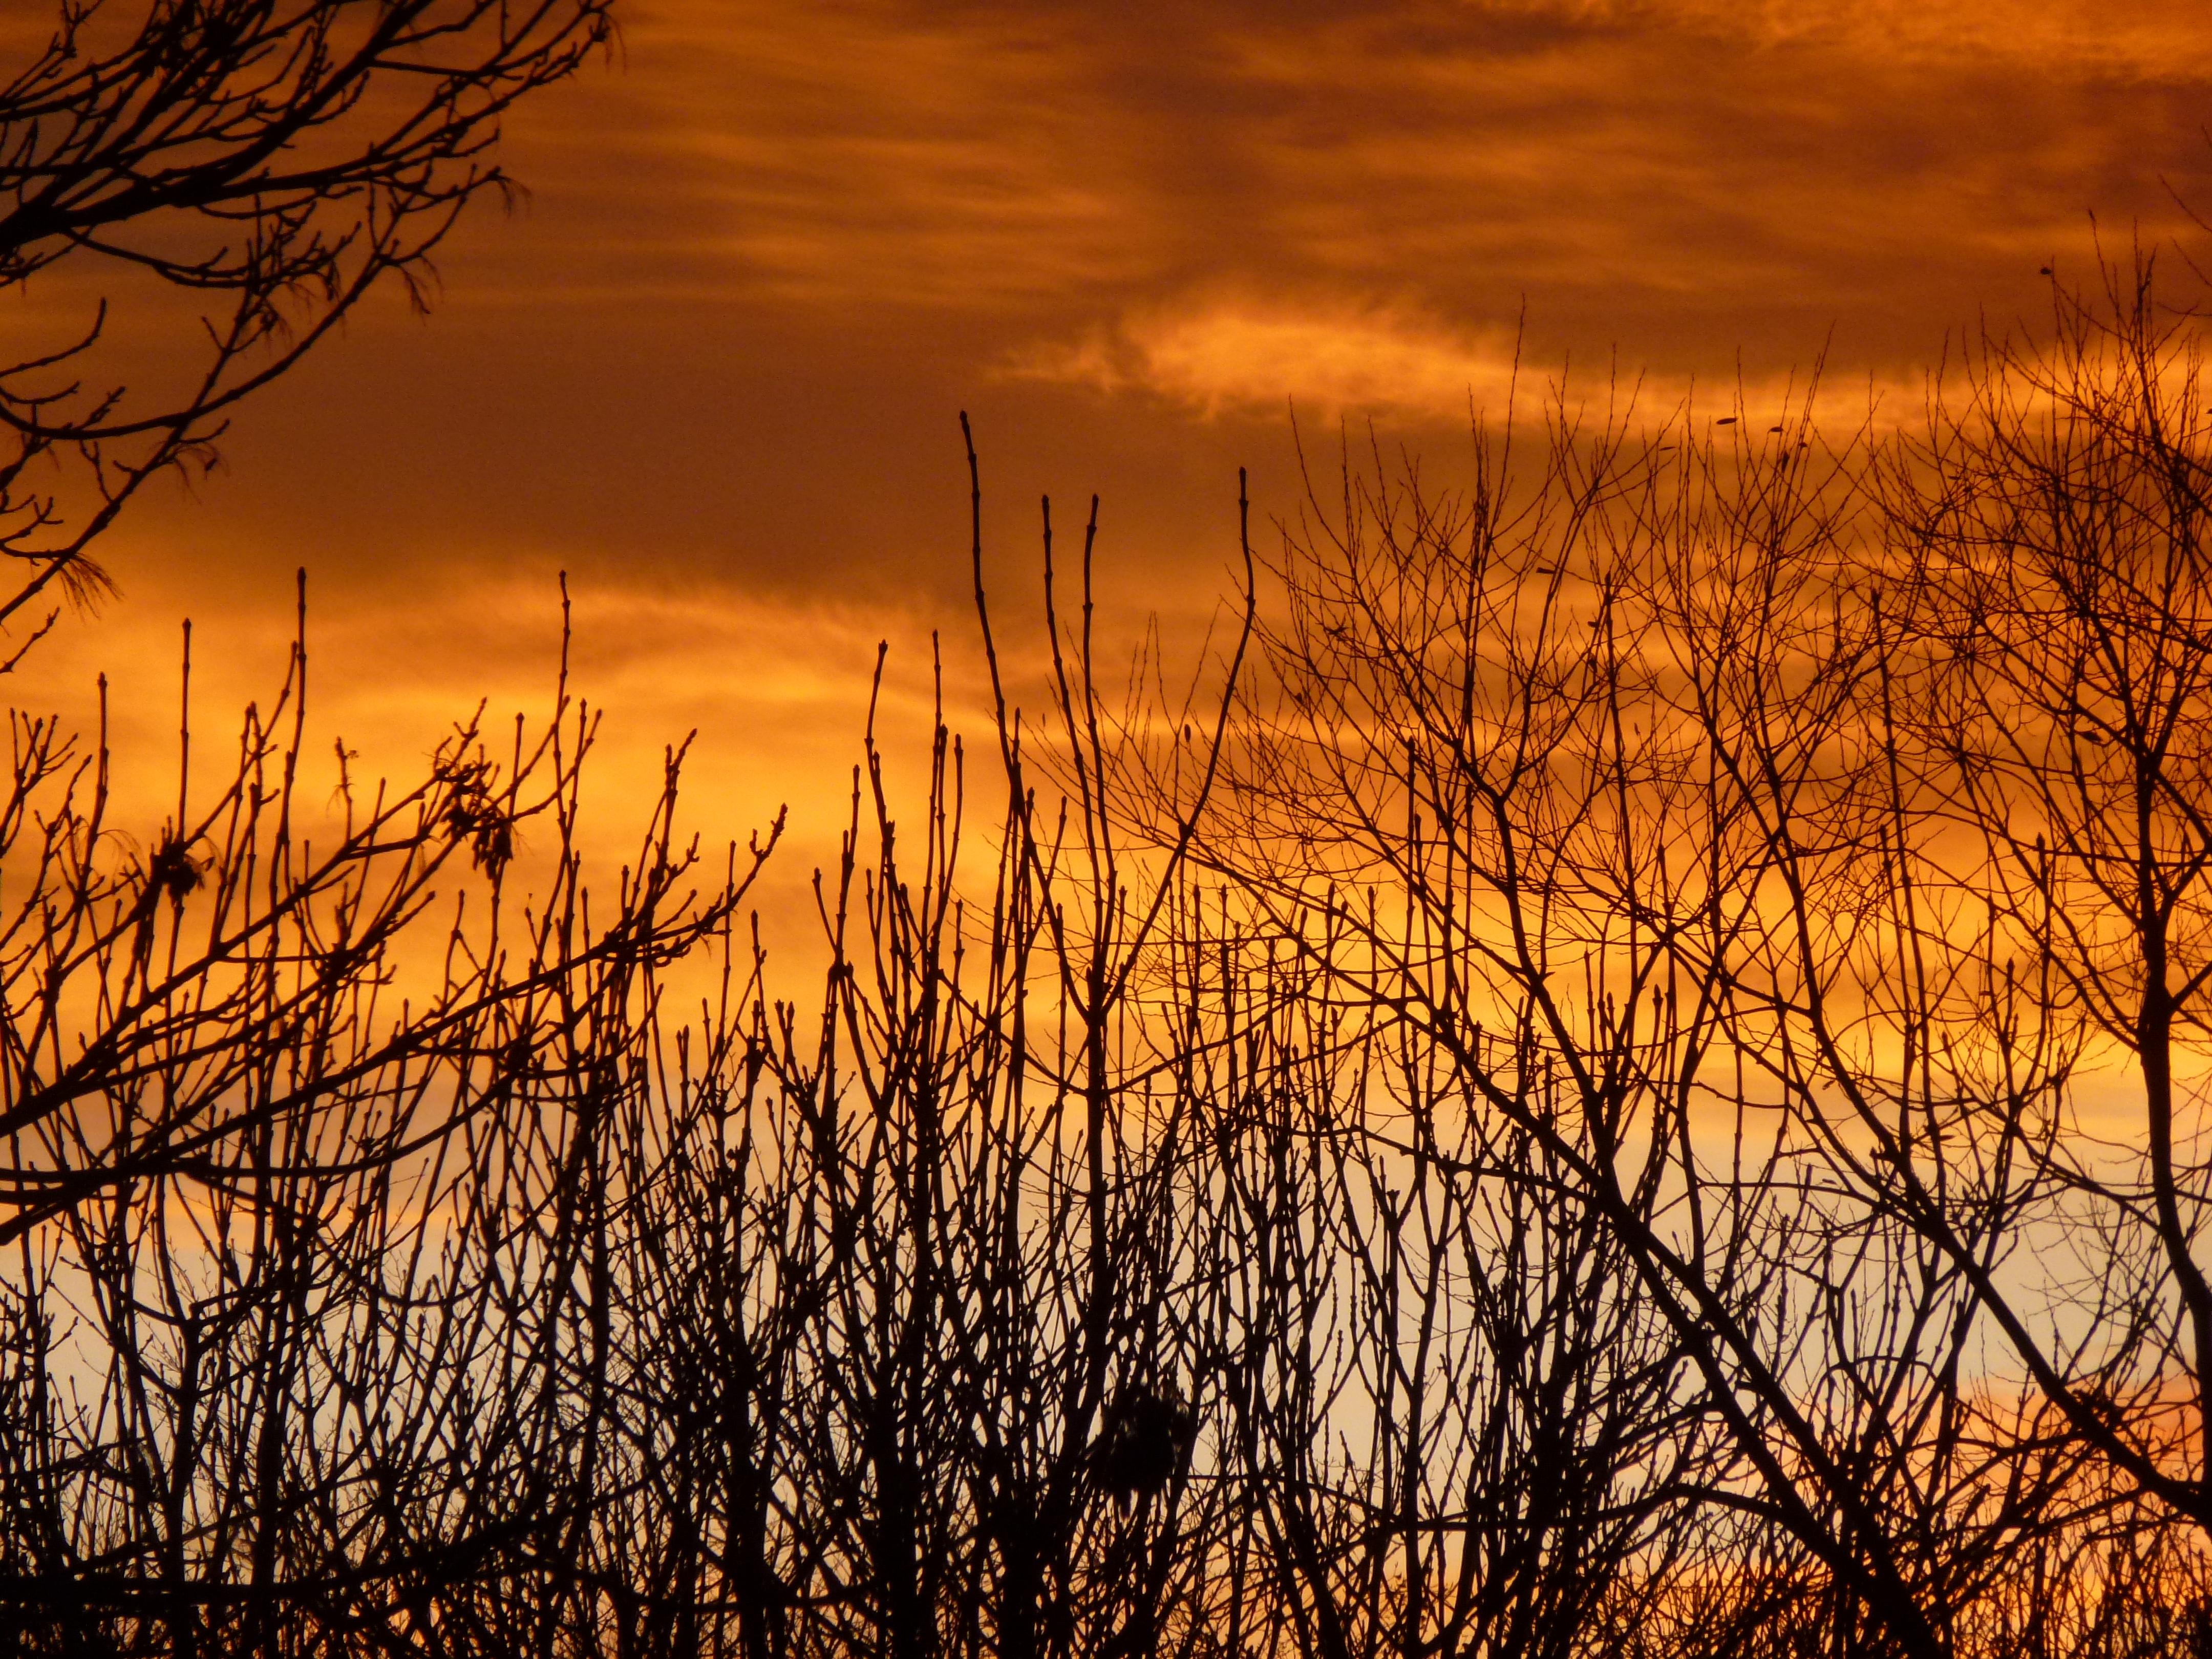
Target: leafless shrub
x,y
1548,1120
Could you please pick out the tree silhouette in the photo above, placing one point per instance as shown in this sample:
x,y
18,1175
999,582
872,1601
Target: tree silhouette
x,y
230,178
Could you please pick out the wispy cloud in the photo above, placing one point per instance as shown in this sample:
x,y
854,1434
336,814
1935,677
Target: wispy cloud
x,y
1680,176
2159,38
1228,356
1255,356
835,153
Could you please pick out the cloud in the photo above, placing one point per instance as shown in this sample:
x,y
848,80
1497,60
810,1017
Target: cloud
x,y
2165,38
1682,174
1241,358
1260,358
770,258
842,152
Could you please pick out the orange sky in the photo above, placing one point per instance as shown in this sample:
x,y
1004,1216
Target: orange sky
x,y
713,370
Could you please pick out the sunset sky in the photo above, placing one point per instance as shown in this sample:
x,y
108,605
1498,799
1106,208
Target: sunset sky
x,y
713,367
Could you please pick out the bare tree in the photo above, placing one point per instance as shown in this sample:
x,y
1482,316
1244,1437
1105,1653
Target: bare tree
x,y
307,1320
1580,785
274,160
1552,1118
2051,701
281,160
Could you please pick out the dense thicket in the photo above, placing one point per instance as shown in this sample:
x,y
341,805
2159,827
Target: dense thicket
x,y
1631,1086
1625,1077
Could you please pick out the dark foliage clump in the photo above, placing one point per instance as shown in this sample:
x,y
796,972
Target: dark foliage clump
x,y
1145,1441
